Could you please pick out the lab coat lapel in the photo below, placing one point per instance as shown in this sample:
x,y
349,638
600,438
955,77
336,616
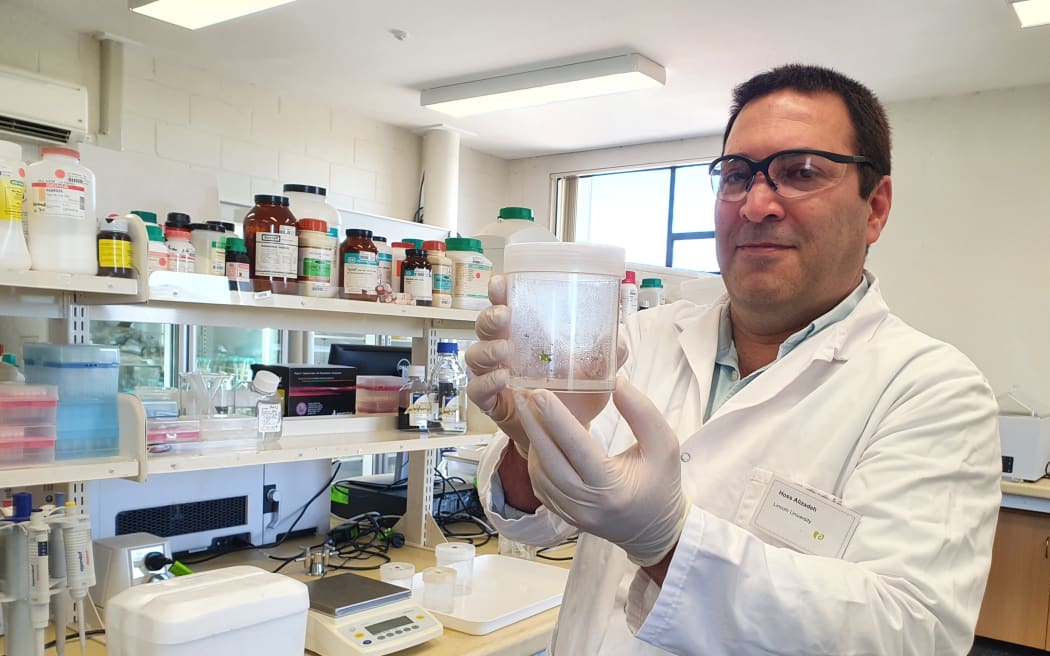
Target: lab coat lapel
x,y
698,339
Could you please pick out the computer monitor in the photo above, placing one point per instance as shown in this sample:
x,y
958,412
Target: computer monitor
x,y
372,360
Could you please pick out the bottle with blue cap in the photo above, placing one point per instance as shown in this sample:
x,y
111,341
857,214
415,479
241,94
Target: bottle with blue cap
x,y
448,390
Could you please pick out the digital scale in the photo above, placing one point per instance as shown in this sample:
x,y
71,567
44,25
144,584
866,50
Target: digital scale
x,y
351,614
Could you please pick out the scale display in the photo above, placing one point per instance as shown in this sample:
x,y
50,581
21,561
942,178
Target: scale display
x,y
377,631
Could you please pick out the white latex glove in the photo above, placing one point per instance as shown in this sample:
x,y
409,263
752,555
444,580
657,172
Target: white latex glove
x,y
633,499
487,361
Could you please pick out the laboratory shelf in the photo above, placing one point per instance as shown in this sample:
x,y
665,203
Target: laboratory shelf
x,y
311,438
62,471
68,282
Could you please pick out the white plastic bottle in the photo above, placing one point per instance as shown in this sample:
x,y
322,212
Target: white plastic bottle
x,y
385,259
269,409
60,209
158,250
651,293
628,296
182,257
470,273
14,255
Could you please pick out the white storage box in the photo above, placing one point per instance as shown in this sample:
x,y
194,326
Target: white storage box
x,y
235,610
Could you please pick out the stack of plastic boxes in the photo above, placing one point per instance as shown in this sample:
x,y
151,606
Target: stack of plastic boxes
x,y
27,424
86,378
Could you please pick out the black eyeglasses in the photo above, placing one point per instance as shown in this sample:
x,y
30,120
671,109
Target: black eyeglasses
x,y
790,173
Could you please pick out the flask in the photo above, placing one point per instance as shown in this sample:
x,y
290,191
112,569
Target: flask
x,y
269,409
60,208
441,273
416,279
14,255
114,249
628,296
273,245
448,383
651,293
413,401
360,265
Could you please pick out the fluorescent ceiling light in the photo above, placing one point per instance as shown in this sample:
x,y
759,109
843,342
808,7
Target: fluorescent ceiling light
x,y
195,14
1032,13
580,80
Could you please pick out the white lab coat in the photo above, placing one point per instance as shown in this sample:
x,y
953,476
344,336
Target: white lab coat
x,y
901,427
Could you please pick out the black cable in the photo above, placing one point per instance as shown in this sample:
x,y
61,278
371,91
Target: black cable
x,y
74,636
306,506
541,550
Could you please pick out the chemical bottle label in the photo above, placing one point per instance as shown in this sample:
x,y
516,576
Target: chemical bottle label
x,y
218,259
472,280
158,260
442,274
419,410
315,264
386,269
63,198
237,270
360,272
114,254
276,254
269,416
12,192
182,257
419,284
449,408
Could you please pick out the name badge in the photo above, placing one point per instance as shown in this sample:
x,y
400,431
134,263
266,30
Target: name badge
x,y
804,520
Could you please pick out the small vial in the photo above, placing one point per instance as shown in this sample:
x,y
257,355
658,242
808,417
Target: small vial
x,y
460,557
269,409
439,589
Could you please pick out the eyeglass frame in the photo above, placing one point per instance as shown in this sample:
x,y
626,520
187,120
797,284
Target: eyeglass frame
x,y
762,166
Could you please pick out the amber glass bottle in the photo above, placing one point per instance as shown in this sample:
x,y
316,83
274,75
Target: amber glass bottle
x,y
273,244
360,264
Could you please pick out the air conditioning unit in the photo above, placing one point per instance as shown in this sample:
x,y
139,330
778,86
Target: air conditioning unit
x,y
37,108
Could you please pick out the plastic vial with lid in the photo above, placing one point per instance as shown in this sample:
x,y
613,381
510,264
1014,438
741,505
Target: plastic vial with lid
x,y
311,202
651,293
208,242
315,258
360,265
14,254
158,250
628,296
413,404
237,266
60,210
273,244
470,273
440,272
182,256
269,409
385,257
114,249
416,278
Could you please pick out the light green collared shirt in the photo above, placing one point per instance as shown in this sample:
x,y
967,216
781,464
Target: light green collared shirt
x,y
726,380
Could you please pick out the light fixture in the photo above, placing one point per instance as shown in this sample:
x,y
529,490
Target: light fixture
x,y
195,14
546,85
1032,13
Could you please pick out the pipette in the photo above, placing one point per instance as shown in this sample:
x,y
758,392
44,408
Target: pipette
x,y
57,557
39,576
80,562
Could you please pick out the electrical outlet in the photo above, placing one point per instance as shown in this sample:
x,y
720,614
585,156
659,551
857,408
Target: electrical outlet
x,y
271,499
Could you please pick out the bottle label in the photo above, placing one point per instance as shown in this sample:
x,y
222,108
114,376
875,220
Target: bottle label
x,y
449,408
114,254
62,196
386,269
315,264
276,254
442,274
419,410
419,284
237,270
182,256
628,301
471,280
12,191
268,416
218,259
158,259
360,273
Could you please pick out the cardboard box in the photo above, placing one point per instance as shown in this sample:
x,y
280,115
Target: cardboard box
x,y
315,389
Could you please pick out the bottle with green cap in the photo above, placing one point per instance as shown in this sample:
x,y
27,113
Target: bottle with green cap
x,y
470,273
651,293
236,259
157,249
514,225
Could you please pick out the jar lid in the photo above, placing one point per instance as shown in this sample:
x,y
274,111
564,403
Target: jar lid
x,y
432,245
418,243
59,150
266,381
379,238
271,199
628,277
148,217
415,252
516,213
358,232
565,257
305,189
113,225
652,282
315,225
207,226
226,225
154,232
177,233
235,245
177,219
463,244
448,347
439,575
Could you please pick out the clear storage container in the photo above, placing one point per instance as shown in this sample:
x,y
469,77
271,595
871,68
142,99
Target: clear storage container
x,y
377,395
79,371
27,405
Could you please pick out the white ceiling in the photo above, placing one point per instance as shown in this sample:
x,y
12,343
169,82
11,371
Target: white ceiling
x,y
342,52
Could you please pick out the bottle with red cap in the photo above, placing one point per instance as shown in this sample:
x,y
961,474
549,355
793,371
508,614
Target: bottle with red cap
x,y
60,211
315,258
628,296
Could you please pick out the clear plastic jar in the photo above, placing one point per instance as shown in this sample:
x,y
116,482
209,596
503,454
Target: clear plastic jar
x,y
563,302
470,273
60,209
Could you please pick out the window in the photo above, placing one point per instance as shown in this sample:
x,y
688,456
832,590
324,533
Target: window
x,y
661,216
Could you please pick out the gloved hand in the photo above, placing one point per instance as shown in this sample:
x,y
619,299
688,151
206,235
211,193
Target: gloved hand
x,y
487,361
634,499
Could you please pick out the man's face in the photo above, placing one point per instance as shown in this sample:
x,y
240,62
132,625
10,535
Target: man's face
x,y
794,259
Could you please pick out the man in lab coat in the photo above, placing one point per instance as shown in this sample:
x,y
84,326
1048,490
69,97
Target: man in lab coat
x,y
791,470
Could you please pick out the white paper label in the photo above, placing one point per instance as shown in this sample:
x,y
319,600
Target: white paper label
x,y
269,416
805,520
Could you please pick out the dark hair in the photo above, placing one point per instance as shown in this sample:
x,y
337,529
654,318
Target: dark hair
x,y
871,130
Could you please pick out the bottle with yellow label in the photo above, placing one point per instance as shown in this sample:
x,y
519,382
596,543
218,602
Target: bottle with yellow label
x,y
114,249
14,256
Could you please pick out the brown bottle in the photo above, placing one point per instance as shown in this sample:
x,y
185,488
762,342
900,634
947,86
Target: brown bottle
x,y
273,244
359,260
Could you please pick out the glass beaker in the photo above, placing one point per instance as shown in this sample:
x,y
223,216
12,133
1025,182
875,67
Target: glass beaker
x,y
202,393
563,299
